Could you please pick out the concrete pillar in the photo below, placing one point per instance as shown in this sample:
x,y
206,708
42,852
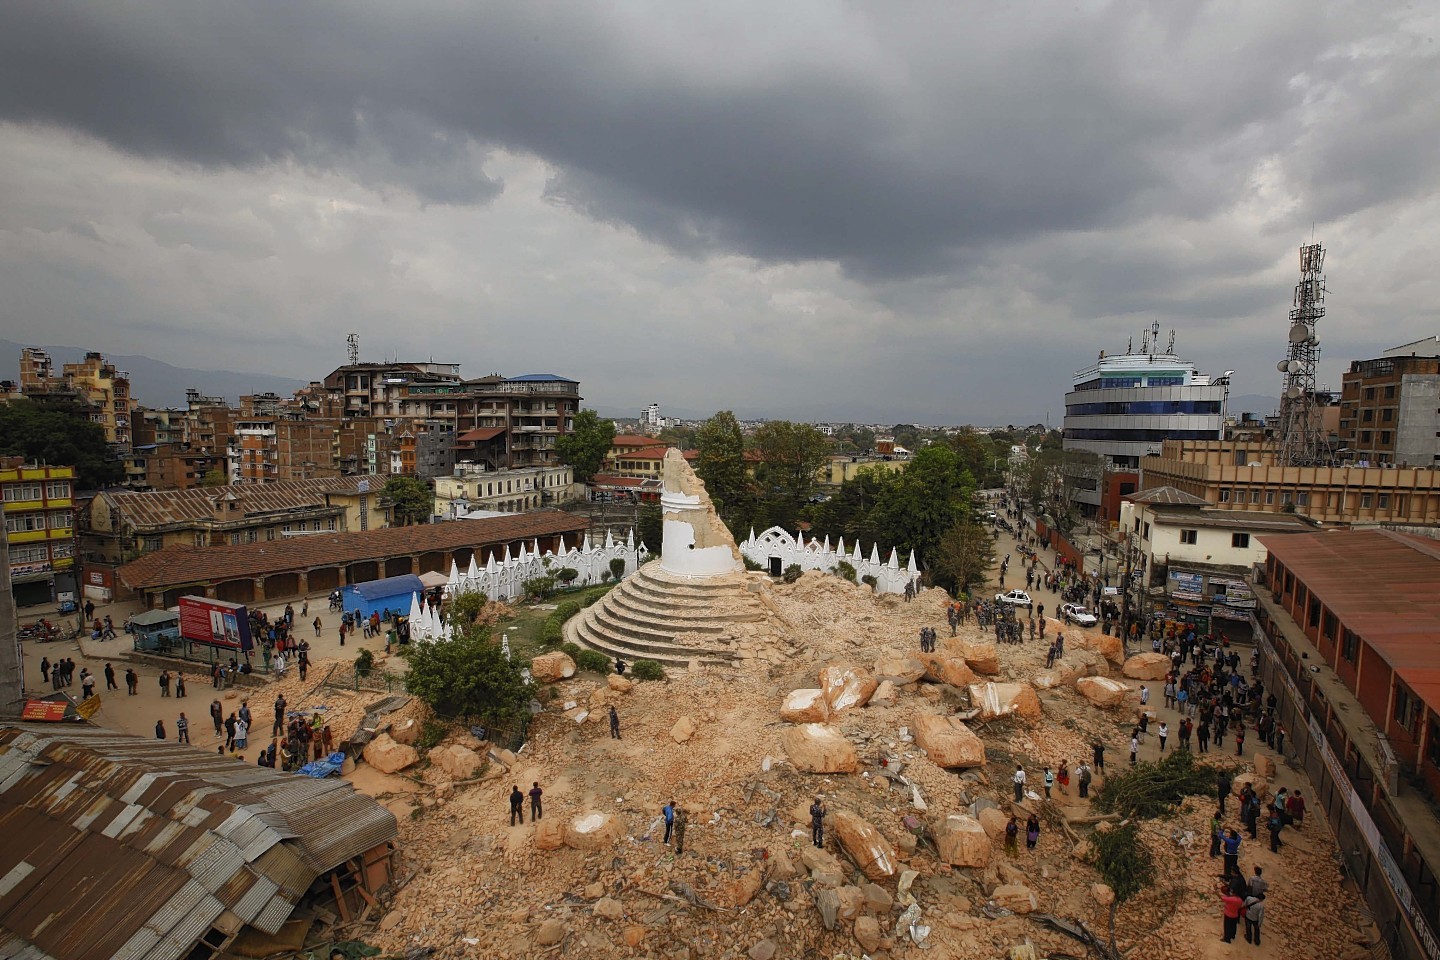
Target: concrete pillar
x,y
12,663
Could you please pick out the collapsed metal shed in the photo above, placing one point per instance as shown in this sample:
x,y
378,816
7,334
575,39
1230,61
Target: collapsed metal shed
x,y
122,847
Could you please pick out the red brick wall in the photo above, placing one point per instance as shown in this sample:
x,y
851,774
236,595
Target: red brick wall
x,y
1373,691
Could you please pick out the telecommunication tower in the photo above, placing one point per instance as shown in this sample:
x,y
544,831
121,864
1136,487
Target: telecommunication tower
x,y
352,346
1301,440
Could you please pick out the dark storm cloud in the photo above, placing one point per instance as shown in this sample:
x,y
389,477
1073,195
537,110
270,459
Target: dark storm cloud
x,y
894,146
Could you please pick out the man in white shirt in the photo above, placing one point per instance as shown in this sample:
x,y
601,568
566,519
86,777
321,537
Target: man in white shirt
x,y
1019,780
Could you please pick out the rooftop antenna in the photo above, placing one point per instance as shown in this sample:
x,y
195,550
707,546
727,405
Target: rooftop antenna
x,y
352,347
1300,428
1170,347
1130,344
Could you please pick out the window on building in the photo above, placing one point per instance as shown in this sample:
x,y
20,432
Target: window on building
x,y
1145,531
1390,392
235,539
364,513
1285,498
1365,499
1189,536
1369,393
330,524
151,544
57,489
201,539
62,548
1313,611
1367,416
1289,581
1385,436
19,492
251,536
1240,541
1269,497
28,553
1224,497
1303,498
1366,436
1384,501
1328,626
315,526
1407,708
1388,414
1349,645
24,522
1254,496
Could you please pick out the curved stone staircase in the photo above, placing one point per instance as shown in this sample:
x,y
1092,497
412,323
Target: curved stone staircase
x,y
657,615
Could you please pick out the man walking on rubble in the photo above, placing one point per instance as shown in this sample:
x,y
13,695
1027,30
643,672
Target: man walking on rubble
x,y
536,812
614,723
517,805
668,812
817,823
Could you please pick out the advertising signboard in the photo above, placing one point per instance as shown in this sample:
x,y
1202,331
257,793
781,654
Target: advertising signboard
x,y
1186,585
215,622
50,711
1235,593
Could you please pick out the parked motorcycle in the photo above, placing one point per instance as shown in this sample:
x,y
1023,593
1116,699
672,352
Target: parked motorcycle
x,y
42,631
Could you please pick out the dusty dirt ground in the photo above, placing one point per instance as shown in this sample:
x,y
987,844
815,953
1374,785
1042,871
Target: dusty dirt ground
x,y
471,885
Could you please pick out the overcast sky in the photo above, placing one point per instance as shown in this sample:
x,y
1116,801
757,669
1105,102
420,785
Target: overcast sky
x,y
892,211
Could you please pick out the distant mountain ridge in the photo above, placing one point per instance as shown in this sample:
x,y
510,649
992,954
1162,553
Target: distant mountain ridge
x,y
157,384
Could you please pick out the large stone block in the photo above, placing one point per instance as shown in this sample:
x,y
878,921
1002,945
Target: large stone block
x,y
1147,666
899,669
387,756
818,748
1015,897
947,668
846,687
805,706
1003,699
456,762
983,656
591,831
948,742
963,841
865,845
552,666
1102,691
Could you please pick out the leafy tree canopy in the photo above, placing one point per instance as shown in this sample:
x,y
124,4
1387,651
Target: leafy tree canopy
x,y
963,557
214,478
59,433
720,461
587,444
468,677
410,498
791,454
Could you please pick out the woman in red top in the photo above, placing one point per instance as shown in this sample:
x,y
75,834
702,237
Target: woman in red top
x,y
1231,905
1295,806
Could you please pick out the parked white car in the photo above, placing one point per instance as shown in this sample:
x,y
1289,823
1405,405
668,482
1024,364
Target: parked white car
x,y
1017,597
1077,614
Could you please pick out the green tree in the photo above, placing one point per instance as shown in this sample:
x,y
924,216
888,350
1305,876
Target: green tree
x,y
214,478
463,609
468,676
410,498
930,497
1125,863
59,433
720,462
650,529
963,557
678,436
587,444
790,455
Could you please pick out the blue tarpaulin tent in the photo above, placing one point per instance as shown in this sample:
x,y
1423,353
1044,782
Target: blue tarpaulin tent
x,y
392,593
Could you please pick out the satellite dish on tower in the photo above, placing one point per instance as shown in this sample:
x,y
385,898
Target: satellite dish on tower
x,y
1283,366
1294,366
1294,393
1299,333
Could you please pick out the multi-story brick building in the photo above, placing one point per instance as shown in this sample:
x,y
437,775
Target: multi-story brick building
x,y
1246,475
1390,407
94,383
473,488
39,510
383,389
1348,625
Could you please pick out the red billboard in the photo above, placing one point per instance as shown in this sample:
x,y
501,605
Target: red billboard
x,y
215,622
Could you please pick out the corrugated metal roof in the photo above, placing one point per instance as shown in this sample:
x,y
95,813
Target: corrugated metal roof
x,y
1383,585
180,565
119,846
159,508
